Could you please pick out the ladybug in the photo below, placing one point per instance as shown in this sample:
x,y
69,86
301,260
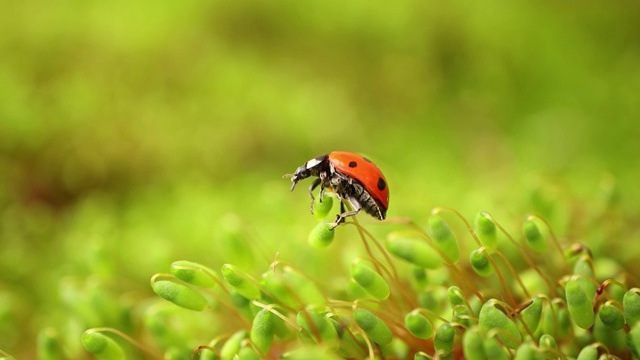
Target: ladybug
x,y
354,178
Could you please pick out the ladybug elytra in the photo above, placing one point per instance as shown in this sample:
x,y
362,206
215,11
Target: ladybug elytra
x,y
355,180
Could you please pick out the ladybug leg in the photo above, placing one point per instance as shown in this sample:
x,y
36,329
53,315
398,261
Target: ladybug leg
x,y
313,186
340,218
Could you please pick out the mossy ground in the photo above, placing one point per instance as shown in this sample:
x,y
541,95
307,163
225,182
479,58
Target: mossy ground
x,y
134,135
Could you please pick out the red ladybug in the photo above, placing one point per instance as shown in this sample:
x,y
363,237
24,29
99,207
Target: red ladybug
x,y
354,178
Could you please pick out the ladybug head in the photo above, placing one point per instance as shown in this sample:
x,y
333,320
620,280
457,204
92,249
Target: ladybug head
x,y
312,167
301,173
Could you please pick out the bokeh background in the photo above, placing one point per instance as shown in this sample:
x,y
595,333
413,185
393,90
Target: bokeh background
x,y
133,134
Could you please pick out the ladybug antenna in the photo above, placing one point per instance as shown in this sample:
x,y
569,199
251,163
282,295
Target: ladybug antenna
x,y
294,180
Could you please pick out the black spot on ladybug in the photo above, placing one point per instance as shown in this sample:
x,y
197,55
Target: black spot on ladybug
x,y
381,184
365,159
352,164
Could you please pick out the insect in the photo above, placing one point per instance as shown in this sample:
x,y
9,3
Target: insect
x,y
355,180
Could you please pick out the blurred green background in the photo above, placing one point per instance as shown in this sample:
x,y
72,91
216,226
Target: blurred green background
x,y
133,134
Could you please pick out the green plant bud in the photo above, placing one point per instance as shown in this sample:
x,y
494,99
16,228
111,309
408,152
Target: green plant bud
x,y
322,208
492,318
526,351
418,325
177,353
310,353
247,353
262,330
241,303
493,350
373,326
583,267
634,340
559,325
372,282
579,304
306,291
101,346
206,354
588,353
480,262
319,327
49,345
321,235
486,230
420,276
232,346
462,315
472,346
443,237
611,316
615,340
421,356
277,290
549,345
534,238
193,273
427,300
532,314
443,340
631,305
415,251
180,295
240,281
455,296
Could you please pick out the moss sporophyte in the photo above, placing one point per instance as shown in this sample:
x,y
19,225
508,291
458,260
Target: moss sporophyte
x,y
440,289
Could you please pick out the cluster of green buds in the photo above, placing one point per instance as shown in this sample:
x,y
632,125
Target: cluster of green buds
x,y
426,292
